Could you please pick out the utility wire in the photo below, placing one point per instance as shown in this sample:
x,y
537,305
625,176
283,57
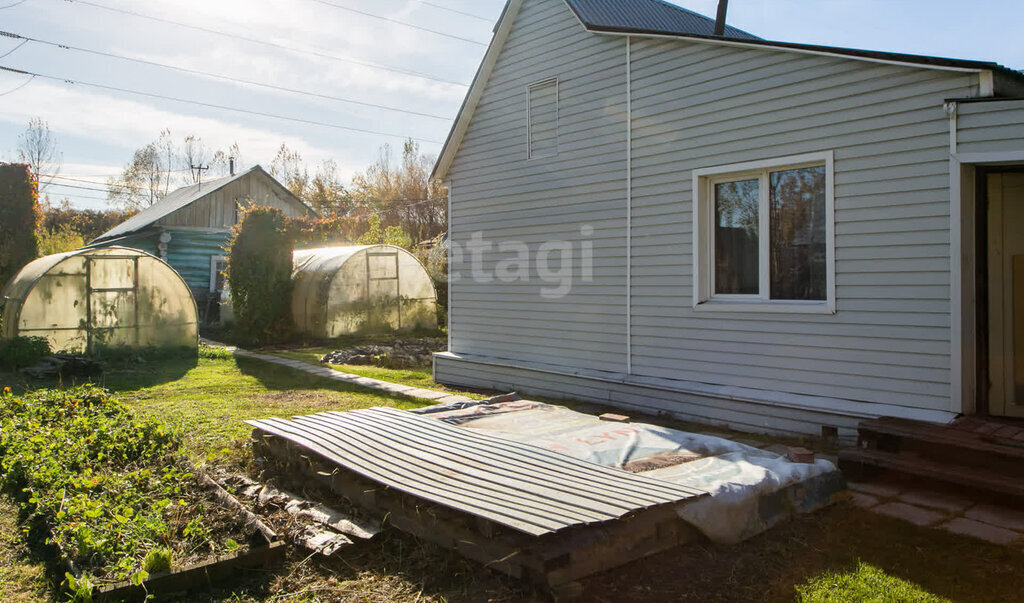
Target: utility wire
x,y
104,184
14,4
216,76
456,11
11,51
402,23
317,52
19,87
216,106
75,186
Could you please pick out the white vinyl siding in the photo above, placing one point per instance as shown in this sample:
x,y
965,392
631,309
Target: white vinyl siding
x,y
543,119
695,105
501,194
991,127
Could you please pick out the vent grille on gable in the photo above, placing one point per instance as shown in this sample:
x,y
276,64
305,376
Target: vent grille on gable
x,y
543,135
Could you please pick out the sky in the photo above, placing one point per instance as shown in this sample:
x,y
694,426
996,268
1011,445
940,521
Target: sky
x,y
366,72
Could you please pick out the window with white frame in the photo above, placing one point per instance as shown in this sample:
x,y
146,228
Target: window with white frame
x,y
542,119
218,266
764,235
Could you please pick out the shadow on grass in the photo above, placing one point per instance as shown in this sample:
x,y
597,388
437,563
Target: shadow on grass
x,y
280,378
833,544
145,372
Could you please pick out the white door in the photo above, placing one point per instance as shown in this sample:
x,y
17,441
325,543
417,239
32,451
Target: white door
x,y
1006,294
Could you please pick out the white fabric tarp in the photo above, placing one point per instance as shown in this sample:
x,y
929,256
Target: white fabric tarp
x,y
737,477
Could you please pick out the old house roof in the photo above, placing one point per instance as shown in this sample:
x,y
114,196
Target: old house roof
x,y
180,198
659,18
650,16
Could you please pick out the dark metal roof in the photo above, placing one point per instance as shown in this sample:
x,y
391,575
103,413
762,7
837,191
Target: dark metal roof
x,y
656,17
648,16
527,488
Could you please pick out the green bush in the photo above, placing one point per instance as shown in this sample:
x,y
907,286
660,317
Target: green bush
x,y
23,351
260,275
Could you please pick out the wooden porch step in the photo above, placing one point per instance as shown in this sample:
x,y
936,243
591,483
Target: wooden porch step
x,y
861,463
995,450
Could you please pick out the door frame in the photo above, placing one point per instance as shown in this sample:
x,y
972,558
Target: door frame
x,y
969,263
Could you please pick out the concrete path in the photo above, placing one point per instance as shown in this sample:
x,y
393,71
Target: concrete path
x,y
948,511
387,387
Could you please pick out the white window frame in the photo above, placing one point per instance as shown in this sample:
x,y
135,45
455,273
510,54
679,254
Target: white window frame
x,y
529,120
213,271
704,180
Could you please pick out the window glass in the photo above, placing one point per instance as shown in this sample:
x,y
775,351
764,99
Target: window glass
x,y
796,223
736,237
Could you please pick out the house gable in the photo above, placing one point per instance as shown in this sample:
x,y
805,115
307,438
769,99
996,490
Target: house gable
x,y
654,18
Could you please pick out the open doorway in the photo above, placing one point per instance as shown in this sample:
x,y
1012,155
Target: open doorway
x,y
1003,291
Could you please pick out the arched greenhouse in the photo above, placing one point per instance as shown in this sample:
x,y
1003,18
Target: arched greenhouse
x,y
342,290
92,298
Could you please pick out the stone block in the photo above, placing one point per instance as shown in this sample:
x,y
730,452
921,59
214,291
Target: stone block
x,y
1004,517
946,501
918,516
865,501
984,531
800,455
876,489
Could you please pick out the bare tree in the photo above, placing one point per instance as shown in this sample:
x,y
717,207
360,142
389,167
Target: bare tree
x,y
147,179
193,154
37,147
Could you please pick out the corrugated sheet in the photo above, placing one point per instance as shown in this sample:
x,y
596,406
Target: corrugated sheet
x,y
651,16
529,489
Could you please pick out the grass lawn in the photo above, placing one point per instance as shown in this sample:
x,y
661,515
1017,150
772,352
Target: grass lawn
x,y
211,400
838,555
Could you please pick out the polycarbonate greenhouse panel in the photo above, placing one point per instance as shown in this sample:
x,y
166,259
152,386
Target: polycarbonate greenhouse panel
x,y
343,290
89,298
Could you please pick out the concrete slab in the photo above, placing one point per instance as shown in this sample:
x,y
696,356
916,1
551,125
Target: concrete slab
x,y
984,531
945,501
864,501
1004,517
876,489
918,516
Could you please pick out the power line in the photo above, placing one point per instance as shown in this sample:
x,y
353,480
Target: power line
x,y
14,4
456,11
19,87
317,53
11,51
216,106
217,76
402,23
81,188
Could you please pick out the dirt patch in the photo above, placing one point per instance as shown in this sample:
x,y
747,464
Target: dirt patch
x,y
396,354
303,397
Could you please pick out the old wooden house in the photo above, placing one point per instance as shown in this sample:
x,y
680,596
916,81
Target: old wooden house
x,y
189,227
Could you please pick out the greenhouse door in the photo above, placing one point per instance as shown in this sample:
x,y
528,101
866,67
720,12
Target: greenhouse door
x,y
112,284
384,311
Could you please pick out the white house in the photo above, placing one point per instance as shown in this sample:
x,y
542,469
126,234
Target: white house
x,y
778,237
